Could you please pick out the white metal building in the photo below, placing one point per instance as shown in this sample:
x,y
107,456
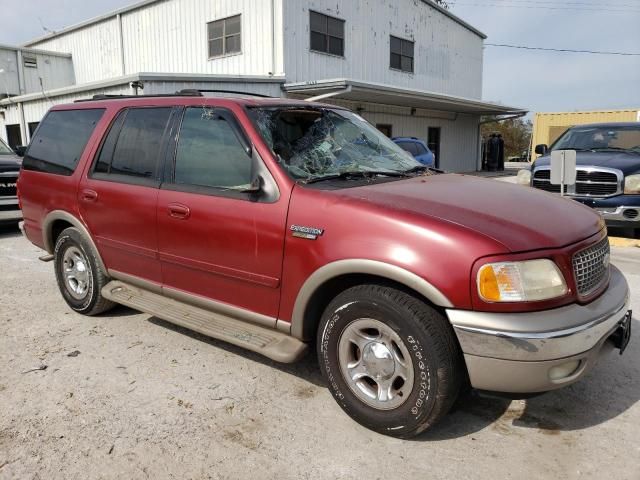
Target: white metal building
x,y
408,66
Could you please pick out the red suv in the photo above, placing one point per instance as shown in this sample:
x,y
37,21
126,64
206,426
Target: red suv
x,y
276,224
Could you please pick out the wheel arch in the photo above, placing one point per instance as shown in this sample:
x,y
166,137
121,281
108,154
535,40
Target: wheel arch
x,y
329,280
58,220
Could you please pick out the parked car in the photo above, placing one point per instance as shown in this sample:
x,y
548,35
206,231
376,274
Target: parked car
x,y
275,224
608,170
418,149
9,170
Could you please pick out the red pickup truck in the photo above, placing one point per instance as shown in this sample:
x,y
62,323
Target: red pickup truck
x,y
276,224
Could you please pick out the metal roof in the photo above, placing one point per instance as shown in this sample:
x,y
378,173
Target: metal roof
x,y
144,77
367,92
144,3
34,50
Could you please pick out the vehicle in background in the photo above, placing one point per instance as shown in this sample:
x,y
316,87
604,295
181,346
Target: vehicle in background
x,y
608,170
523,157
9,169
275,224
418,149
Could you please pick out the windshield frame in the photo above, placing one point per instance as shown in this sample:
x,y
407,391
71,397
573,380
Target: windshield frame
x,y
3,146
410,163
603,127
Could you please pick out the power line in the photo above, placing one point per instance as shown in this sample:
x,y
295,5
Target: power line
x,y
583,8
566,50
555,3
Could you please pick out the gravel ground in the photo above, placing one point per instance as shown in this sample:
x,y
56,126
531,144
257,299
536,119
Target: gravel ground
x,y
128,396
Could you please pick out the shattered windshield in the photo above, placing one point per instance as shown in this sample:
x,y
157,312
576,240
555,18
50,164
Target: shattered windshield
x,y
313,143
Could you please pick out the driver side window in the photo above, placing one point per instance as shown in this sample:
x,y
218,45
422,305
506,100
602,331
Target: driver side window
x,y
209,154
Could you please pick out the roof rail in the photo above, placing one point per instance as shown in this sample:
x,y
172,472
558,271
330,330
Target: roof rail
x,y
192,91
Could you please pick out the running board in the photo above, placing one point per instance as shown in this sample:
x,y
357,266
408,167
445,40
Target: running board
x,y
269,342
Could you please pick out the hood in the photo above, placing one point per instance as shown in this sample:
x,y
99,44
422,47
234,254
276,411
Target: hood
x,y
520,218
10,163
627,162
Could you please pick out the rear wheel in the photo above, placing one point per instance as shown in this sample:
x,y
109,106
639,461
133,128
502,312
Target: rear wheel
x,y
79,275
391,360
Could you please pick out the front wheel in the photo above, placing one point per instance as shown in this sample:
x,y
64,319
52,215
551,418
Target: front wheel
x,y
392,361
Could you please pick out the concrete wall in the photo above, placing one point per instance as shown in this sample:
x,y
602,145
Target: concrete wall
x,y
448,56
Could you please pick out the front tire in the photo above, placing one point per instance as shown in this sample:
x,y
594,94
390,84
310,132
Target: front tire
x,y
79,275
392,361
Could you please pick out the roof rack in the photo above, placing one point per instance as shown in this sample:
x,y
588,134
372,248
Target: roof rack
x,y
187,92
191,91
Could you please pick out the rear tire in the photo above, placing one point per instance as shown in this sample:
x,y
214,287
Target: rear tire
x,y
79,275
392,362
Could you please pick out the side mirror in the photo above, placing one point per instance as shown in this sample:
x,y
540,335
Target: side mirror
x,y
541,149
20,150
255,186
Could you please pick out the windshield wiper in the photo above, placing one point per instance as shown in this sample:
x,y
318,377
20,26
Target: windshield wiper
x,y
358,174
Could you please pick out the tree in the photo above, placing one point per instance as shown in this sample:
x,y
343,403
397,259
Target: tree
x,y
516,134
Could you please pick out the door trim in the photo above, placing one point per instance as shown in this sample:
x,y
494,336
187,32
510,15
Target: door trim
x,y
196,300
245,276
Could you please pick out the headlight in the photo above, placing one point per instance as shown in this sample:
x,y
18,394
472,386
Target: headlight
x,y
524,177
526,281
632,184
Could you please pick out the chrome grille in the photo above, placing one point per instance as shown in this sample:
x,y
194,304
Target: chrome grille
x,y
590,182
591,267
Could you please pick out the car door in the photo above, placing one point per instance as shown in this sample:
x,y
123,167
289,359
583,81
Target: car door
x,y
118,197
216,240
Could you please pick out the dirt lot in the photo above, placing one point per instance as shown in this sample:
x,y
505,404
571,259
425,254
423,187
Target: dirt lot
x,y
128,396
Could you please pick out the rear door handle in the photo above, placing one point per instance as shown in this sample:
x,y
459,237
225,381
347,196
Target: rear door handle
x,y
179,211
89,195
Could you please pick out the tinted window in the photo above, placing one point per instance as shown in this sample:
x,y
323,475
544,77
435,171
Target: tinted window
x,y
137,150
209,153
420,149
60,141
409,147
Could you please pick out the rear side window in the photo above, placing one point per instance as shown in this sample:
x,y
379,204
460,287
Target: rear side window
x,y
134,144
60,140
209,153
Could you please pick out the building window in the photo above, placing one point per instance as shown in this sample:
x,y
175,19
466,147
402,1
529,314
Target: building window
x,y
327,34
224,36
401,54
30,62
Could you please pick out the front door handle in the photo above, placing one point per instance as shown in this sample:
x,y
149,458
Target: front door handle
x,y
179,211
89,195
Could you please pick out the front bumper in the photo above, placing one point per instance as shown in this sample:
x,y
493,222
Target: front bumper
x,y
528,352
617,211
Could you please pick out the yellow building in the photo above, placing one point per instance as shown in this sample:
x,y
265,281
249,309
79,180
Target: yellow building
x,y
547,127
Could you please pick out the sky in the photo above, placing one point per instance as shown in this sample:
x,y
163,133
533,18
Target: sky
x,y
534,80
